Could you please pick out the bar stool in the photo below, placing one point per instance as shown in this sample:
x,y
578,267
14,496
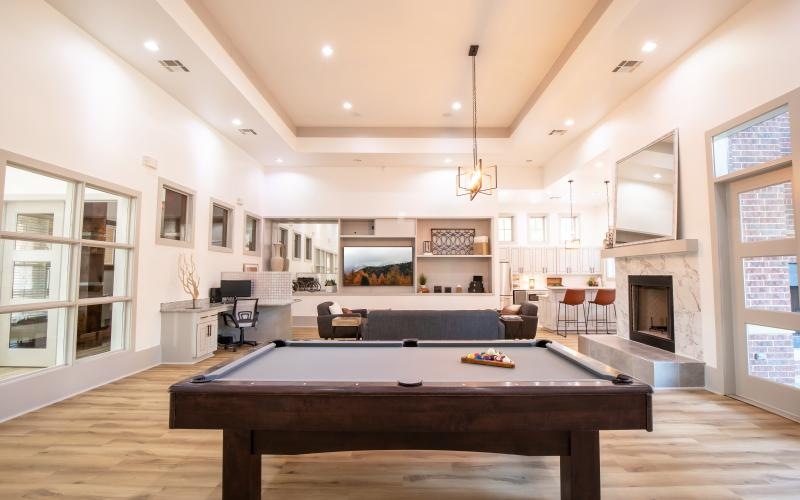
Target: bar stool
x,y
573,297
604,297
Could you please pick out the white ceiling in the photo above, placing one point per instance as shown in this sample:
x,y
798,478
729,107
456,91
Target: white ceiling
x,y
401,63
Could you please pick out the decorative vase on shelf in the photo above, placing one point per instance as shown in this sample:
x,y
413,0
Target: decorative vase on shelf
x,y
276,263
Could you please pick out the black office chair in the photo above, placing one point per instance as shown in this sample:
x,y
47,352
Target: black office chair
x,y
244,315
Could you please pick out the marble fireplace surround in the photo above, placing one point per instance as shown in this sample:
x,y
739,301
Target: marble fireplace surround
x,y
683,267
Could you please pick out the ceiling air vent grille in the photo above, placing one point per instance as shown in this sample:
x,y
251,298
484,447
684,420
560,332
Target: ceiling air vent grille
x,y
557,131
247,131
173,65
626,67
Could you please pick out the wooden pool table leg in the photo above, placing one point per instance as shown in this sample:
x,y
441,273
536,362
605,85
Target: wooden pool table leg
x,y
580,470
241,468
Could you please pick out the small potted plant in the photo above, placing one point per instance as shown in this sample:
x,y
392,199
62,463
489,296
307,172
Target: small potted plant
x,y
423,280
330,286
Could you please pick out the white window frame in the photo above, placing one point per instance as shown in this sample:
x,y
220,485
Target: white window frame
x,y
499,229
228,247
308,248
191,195
297,250
75,241
577,234
546,234
259,230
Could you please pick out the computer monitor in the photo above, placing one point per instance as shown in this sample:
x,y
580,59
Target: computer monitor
x,y
235,288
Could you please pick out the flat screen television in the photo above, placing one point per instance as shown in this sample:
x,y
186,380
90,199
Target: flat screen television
x,y
378,266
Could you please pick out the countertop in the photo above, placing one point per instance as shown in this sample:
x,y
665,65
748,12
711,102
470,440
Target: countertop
x,y
585,287
206,307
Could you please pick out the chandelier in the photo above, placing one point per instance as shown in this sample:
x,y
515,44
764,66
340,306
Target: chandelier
x,y
477,179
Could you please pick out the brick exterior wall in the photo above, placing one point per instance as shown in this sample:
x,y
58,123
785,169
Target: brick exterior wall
x,y
767,214
760,143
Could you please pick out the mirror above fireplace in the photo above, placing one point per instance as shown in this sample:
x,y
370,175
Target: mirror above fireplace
x,y
646,200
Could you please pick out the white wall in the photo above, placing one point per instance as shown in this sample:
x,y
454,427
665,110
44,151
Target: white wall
x,y
67,100
750,59
379,191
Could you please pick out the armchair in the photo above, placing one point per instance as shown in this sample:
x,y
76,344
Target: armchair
x,y
324,319
244,315
526,329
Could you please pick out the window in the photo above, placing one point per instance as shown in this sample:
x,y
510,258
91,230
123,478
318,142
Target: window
x,y
309,247
569,228
297,246
505,229
537,229
176,213
221,227
251,235
48,303
760,140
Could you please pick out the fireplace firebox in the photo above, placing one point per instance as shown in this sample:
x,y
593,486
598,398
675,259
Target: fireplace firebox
x,y
651,311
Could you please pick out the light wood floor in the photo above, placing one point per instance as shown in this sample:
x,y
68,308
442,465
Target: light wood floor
x,y
113,442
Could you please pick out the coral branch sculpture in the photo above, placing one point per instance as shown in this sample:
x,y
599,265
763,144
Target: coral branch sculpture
x,y
187,275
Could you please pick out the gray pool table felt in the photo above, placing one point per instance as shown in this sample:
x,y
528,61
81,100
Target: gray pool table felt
x,y
390,364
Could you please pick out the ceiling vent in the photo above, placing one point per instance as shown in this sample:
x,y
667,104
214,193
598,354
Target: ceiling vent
x,y
557,131
247,131
626,67
173,65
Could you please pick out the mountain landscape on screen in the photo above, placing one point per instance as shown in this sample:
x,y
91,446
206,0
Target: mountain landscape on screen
x,y
378,266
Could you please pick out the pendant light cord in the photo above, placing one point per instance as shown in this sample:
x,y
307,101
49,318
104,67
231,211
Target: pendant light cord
x,y
608,207
474,117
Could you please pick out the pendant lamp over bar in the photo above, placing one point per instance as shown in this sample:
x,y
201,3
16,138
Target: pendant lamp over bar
x,y
477,179
575,241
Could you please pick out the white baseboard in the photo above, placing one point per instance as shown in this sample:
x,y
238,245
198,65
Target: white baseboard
x,y
40,389
765,407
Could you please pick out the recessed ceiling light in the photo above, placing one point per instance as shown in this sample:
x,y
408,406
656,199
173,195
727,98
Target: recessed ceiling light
x,y
327,50
347,105
456,106
649,46
151,45
598,164
448,160
656,176
279,160
357,160
569,122
236,122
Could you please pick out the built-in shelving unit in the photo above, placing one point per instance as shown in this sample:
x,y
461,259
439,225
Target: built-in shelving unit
x,y
444,270
454,270
431,256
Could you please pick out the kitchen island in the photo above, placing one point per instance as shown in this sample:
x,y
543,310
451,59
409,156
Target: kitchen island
x,y
548,309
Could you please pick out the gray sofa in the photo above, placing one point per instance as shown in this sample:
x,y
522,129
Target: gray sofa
x,y
433,325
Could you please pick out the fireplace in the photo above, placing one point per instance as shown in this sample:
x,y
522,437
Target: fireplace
x,y
651,311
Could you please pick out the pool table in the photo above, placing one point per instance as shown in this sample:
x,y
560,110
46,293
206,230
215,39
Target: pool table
x,y
293,397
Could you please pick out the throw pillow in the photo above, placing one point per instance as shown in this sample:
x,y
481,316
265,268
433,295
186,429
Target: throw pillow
x,y
335,308
347,311
513,309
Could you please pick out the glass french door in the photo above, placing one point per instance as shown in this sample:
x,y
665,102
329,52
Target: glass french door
x,y
763,226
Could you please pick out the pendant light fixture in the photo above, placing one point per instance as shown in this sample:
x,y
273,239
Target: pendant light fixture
x,y
574,241
608,242
477,179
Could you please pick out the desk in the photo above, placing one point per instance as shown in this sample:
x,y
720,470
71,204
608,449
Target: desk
x,y
190,335
296,397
